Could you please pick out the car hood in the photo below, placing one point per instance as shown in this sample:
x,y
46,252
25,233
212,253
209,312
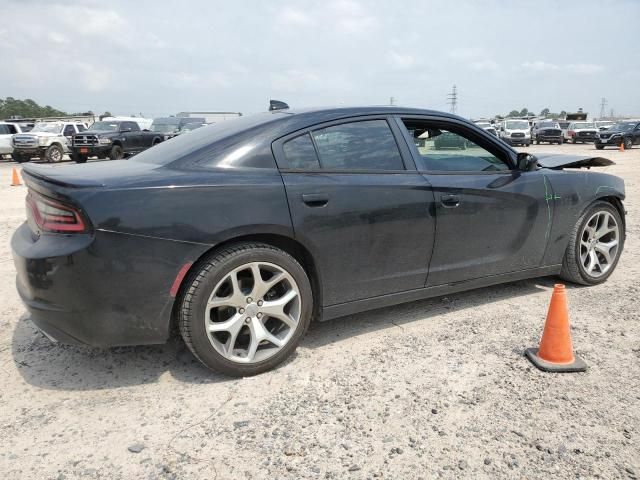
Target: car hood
x,y
40,134
554,161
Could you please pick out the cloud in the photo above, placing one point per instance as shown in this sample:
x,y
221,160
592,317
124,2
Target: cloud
x,y
484,65
539,66
585,68
295,17
402,61
581,68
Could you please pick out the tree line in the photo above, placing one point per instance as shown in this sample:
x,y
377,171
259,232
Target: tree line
x,y
546,112
26,108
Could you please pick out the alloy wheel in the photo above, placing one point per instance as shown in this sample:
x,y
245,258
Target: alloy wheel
x,y
253,312
599,243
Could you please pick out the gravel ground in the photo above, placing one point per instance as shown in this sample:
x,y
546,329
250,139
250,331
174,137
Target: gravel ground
x,y
435,388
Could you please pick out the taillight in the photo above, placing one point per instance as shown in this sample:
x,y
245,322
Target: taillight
x,y
53,216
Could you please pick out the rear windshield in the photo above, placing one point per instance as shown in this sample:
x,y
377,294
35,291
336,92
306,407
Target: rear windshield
x,y
183,145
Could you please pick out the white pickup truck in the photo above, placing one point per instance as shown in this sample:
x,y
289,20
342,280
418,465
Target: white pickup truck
x,y
46,140
7,131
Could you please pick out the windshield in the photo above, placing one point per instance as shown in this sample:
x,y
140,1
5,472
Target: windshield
x,y
47,127
165,127
518,125
623,127
549,125
584,125
105,127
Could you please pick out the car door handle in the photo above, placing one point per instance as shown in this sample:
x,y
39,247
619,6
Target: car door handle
x,y
450,201
315,199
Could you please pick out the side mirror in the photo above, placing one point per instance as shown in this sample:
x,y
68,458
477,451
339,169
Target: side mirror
x,y
527,162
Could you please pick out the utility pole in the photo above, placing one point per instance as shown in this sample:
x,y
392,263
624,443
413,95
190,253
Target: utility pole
x,y
452,99
603,108
392,101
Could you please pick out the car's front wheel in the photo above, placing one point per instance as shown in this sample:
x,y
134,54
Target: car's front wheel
x,y
599,147
595,245
54,153
116,153
245,308
628,143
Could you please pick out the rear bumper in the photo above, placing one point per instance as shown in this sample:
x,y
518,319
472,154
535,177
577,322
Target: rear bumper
x,y
104,289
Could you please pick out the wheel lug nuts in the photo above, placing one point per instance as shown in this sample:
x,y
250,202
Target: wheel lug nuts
x,y
249,299
259,315
241,311
260,303
247,320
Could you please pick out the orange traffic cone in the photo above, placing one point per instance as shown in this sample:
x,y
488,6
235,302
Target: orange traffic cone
x,y
622,146
556,349
15,178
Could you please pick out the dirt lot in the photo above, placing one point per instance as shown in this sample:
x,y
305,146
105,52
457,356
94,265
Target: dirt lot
x,y
436,388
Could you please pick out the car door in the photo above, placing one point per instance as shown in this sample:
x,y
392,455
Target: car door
x,y
491,218
365,214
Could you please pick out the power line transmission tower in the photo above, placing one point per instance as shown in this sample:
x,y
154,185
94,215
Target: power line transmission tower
x,y
452,99
603,106
392,101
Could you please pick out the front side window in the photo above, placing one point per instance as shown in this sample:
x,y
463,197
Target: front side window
x,y
517,125
444,148
300,153
365,145
69,130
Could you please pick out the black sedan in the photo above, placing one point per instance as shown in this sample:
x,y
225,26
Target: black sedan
x,y
243,233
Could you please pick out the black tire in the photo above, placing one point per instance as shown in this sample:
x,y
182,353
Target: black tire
x,y
54,153
599,147
537,142
18,157
116,153
199,285
574,141
572,269
80,158
628,143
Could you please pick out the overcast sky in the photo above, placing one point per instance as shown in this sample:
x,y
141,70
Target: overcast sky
x,y
160,58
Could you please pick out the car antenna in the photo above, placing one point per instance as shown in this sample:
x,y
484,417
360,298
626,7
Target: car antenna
x,y
277,105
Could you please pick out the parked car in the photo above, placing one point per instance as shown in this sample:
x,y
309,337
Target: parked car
x,y
488,127
581,132
7,131
46,140
564,126
515,132
449,140
243,232
112,139
171,126
623,132
604,124
547,131
190,127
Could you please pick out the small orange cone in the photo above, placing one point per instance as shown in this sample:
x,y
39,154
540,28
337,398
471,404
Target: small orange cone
x,y
556,349
15,178
622,146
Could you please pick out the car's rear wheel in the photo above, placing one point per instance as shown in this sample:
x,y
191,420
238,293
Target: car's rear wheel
x,y
595,245
245,308
628,143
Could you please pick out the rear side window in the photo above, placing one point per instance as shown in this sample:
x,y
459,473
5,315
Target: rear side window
x,y
5,130
300,153
366,145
